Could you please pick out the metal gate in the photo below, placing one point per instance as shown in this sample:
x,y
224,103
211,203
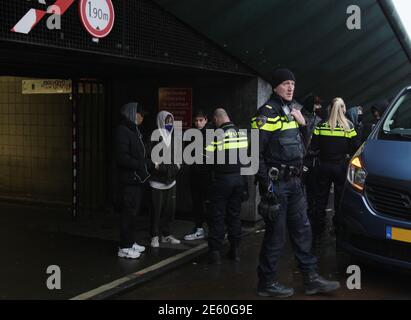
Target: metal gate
x,y
89,147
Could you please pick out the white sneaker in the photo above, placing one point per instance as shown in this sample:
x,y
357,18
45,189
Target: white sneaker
x,y
170,239
139,248
154,242
196,235
128,253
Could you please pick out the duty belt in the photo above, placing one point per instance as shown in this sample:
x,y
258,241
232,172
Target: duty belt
x,y
284,172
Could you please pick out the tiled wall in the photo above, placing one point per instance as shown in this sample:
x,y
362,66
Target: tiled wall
x,y
35,144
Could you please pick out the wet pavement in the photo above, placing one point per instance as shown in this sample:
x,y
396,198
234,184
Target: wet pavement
x,y
32,238
237,281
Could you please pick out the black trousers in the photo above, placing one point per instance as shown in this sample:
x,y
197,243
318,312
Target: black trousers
x,y
328,173
310,182
199,196
292,216
224,207
164,207
130,205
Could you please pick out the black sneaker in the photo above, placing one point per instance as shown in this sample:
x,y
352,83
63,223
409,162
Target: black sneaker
x,y
314,284
275,289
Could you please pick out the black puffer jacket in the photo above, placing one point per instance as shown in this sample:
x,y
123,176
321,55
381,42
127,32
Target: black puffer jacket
x,y
165,173
130,153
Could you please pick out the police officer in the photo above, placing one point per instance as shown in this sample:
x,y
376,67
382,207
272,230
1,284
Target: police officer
x,y
314,113
334,138
281,148
226,188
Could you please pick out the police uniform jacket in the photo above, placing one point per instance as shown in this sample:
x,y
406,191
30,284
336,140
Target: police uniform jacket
x,y
334,145
280,137
230,139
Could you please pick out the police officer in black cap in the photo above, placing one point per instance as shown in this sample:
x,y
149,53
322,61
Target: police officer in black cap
x,y
280,123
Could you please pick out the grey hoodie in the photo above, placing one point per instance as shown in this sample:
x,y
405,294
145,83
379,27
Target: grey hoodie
x,y
129,111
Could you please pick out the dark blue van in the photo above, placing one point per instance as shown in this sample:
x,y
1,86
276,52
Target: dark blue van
x,y
374,221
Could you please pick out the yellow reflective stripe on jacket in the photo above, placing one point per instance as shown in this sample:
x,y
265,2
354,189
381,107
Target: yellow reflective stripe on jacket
x,y
274,124
270,125
289,125
352,133
233,145
228,143
335,133
210,148
228,140
234,139
273,120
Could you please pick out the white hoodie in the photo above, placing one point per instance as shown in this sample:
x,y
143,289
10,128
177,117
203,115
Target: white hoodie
x,y
167,136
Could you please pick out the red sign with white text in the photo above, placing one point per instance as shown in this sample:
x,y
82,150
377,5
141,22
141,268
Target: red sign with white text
x,y
179,102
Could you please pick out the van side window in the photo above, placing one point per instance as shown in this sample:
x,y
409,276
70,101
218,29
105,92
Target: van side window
x,y
397,124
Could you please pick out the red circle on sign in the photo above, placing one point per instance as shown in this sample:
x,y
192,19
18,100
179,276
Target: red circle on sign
x,y
93,31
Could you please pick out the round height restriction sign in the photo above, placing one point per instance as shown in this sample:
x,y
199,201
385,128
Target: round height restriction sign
x,y
97,16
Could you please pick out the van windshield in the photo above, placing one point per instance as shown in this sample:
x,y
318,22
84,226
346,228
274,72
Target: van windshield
x,y
397,124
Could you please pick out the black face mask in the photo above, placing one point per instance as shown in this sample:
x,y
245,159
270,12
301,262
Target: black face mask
x,y
360,116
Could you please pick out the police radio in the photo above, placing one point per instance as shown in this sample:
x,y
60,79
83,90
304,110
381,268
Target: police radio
x,y
287,113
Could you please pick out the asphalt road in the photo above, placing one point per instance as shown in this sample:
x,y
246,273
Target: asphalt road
x,y
237,281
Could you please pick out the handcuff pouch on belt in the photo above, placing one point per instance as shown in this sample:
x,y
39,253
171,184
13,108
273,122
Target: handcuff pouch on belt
x,y
269,206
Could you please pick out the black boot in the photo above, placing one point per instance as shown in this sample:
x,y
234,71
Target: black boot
x,y
214,257
274,289
234,254
314,284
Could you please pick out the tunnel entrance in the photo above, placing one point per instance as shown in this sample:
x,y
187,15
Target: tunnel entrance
x,y
52,142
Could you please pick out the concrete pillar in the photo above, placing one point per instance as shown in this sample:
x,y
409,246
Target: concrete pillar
x,y
260,91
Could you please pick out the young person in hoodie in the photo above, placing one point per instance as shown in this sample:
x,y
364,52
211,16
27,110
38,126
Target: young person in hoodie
x,y
163,184
199,181
377,110
355,115
132,173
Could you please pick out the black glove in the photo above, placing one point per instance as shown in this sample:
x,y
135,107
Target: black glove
x,y
269,207
263,188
